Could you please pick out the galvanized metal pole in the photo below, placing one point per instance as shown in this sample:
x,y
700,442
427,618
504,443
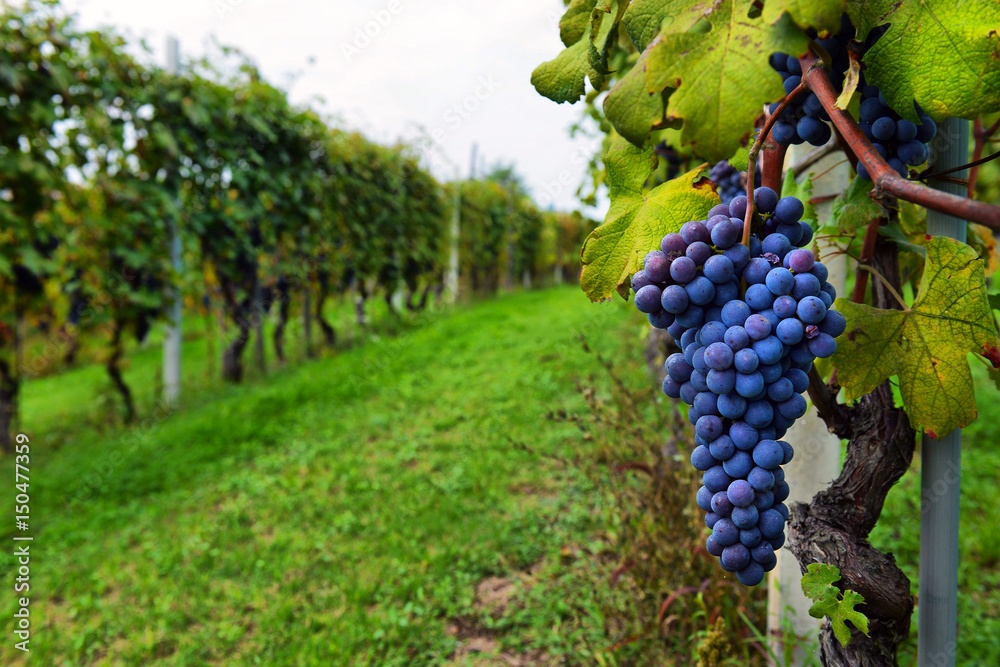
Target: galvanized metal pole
x,y
456,222
172,339
941,459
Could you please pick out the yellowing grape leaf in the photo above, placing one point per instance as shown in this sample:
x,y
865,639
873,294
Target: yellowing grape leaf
x,y
819,14
722,76
638,220
644,18
926,345
563,79
817,584
941,53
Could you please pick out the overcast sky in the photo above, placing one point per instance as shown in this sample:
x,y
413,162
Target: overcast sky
x,y
452,71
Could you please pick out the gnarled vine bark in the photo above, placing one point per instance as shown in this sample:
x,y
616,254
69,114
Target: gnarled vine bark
x,y
834,527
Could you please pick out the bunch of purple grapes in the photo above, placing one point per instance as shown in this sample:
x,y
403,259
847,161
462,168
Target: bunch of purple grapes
x,y
744,362
899,141
804,119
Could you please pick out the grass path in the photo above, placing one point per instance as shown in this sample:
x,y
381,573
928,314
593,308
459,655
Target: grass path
x,y
339,513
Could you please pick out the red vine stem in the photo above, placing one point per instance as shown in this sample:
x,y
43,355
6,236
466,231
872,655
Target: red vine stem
x,y
755,150
981,136
867,252
883,176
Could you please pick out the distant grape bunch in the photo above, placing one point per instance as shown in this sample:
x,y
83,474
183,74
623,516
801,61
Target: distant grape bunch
x,y
804,119
745,360
729,180
899,141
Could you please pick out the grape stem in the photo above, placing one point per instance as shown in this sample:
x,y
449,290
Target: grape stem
x,y
867,253
884,177
923,176
755,150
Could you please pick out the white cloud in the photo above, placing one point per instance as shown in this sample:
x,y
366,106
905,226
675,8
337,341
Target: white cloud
x,y
420,61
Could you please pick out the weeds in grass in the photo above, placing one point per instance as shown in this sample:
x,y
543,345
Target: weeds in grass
x,y
666,601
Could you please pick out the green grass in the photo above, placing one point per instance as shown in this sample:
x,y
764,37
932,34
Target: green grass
x,y
343,511
339,513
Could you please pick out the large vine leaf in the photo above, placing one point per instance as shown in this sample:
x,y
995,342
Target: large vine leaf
x,y
563,79
925,345
819,14
818,585
941,53
637,221
722,76
644,18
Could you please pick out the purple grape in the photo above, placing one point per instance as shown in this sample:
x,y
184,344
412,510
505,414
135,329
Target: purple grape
x,y
810,310
657,266
683,270
719,356
823,346
719,269
694,231
640,280
765,199
737,338
699,252
674,299
647,299
746,360
673,244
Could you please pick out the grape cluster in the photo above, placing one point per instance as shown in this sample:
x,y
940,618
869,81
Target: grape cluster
x,y
804,119
744,362
729,180
899,141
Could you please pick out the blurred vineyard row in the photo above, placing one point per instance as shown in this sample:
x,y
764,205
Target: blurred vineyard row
x,y
104,157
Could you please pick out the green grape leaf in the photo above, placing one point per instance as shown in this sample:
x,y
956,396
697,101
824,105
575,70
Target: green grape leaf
x,y
563,79
722,76
943,54
637,220
803,192
645,18
631,107
853,208
819,14
575,22
740,161
818,586
926,345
